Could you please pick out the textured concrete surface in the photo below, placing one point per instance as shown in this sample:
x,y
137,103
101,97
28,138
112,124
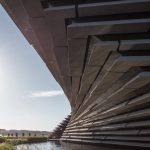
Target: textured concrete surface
x,y
98,51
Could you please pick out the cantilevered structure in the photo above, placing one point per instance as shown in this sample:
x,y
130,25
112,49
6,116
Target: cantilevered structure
x,y
99,52
58,131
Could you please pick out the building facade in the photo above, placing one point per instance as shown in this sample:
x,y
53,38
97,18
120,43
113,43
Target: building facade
x,y
24,133
99,53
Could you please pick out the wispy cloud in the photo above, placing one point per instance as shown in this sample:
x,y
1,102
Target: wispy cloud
x,y
42,94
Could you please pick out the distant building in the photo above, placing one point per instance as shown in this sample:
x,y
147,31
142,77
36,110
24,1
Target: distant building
x,y
22,133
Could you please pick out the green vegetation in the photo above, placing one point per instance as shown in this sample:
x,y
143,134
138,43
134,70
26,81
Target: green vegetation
x,y
7,143
6,146
36,138
2,139
28,139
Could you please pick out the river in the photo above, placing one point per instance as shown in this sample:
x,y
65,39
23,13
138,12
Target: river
x,y
40,146
55,145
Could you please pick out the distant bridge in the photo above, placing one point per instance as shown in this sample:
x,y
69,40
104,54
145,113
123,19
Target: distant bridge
x,y
99,52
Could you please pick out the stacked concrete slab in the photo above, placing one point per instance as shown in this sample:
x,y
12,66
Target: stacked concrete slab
x,y
58,131
99,52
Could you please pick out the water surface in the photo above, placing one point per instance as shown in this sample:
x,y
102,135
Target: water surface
x,y
55,145
40,146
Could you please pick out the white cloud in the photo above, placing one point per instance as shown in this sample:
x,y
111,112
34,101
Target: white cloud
x,y
42,94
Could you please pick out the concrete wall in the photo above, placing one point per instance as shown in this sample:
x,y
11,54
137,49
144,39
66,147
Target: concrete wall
x,y
99,52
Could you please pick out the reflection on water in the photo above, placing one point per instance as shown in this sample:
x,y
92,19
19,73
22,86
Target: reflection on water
x,y
55,145
40,146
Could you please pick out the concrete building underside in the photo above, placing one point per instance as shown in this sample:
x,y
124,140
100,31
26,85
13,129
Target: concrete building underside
x,y
99,53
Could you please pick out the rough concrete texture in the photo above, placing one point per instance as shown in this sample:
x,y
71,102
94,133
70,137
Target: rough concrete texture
x,y
99,53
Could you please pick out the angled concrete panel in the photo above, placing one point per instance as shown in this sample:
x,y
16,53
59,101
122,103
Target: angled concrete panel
x,y
77,50
63,62
56,20
113,7
100,50
33,7
139,44
124,63
82,30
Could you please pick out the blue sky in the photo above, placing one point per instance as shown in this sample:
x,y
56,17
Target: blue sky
x,y
30,98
